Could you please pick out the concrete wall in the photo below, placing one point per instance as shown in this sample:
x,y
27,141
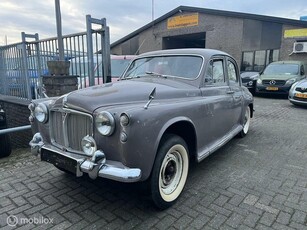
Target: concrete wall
x,y
17,114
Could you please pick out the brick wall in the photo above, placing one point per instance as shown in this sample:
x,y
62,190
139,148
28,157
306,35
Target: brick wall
x,y
17,114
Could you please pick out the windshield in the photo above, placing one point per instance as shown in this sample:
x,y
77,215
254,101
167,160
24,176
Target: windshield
x,y
282,69
118,66
177,66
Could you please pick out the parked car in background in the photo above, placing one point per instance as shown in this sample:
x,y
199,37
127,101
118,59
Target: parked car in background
x,y
298,93
278,77
249,80
5,142
169,108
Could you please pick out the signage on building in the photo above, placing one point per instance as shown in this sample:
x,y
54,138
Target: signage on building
x,y
295,33
184,20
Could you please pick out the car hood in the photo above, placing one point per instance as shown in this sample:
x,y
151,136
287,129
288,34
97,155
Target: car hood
x,y
302,83
277,77
125,92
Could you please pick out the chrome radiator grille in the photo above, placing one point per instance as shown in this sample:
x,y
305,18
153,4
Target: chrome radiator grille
x,y
68,127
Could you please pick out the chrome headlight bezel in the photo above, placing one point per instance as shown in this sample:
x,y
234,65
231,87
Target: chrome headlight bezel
x,y
41,113
105,123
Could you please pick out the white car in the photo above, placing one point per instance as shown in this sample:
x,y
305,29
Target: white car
x,y
298,93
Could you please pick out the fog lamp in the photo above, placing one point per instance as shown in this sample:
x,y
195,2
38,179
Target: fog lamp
x,y
88,145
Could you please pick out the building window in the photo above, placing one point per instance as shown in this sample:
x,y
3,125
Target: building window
x,y
258,60
247,61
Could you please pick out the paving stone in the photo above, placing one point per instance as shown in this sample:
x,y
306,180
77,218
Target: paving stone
x,y
217,221
251,220
267,219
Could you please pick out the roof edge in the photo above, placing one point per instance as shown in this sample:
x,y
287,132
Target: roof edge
x,y
214,12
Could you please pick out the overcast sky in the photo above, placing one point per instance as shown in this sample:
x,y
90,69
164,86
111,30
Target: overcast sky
x,y
123,16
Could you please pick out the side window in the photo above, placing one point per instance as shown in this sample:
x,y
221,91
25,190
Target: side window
x,y
215,73
232,73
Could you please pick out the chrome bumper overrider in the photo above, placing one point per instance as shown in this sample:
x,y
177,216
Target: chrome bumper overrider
x,y
97,166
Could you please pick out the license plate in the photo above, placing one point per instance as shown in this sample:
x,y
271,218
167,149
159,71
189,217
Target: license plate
x,y
272,88
59,160
301,95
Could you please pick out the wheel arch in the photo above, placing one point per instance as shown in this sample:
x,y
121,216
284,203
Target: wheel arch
x,y
184,128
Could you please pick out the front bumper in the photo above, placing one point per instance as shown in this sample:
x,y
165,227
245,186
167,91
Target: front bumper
x,y
297,100
266,89
96,166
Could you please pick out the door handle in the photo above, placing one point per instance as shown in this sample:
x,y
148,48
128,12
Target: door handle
x,y
230,92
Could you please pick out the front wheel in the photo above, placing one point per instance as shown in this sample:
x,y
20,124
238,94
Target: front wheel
x,y
170,171
246,122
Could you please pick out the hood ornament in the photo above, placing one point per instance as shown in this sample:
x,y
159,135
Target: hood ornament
x,y
151,97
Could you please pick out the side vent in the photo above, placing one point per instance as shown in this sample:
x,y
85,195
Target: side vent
x,y
300,47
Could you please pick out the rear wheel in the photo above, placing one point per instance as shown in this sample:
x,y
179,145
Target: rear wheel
x,y
170,171
246,122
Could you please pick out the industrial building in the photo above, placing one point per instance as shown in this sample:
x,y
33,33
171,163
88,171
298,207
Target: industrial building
x,y
253,40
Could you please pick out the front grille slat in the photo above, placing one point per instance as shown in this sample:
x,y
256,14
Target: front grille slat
x,y
302,90
277,82
74,124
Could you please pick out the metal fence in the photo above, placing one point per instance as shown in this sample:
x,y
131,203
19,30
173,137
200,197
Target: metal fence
x,y
23,64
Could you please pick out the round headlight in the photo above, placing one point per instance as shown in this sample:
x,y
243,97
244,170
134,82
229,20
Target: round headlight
x,y
41,113
88,145
105,123
124,119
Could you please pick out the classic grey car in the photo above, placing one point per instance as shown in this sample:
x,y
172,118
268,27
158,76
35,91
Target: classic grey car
x,y
169,108
298,93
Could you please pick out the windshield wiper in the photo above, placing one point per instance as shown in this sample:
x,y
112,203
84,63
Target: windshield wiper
x,y
156,74
128,78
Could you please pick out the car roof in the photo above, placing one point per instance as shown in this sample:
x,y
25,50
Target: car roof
x,y
206,53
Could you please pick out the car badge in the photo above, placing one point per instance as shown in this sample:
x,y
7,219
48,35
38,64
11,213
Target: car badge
x,y
303,88
272,82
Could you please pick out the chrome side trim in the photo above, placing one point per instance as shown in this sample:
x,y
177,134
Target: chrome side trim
x,y
218,144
